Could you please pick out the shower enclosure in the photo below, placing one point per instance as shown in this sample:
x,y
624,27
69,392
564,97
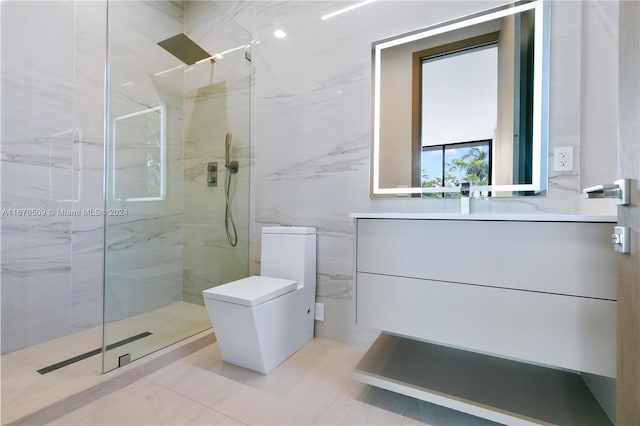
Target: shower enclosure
x,y
113,219
179,79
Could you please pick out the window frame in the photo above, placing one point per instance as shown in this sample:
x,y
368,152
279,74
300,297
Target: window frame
x,y
416,103
470,144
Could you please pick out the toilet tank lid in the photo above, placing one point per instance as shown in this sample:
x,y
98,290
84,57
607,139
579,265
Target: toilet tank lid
x,y
250,291
301,230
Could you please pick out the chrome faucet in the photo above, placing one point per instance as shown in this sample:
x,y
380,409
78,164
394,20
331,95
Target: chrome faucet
x,y
464,197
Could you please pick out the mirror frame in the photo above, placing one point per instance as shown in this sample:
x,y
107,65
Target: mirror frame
x,y
540,96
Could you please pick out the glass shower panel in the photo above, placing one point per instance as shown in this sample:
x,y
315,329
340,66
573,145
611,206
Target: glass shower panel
x,y
217,104
168,119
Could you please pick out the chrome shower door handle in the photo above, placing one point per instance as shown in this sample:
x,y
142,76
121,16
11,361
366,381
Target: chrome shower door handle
x,y
620,190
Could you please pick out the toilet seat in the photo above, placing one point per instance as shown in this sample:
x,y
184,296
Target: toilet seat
x,y
251,291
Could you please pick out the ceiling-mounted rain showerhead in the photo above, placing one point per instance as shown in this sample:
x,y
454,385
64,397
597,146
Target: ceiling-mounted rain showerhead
x,y
185,49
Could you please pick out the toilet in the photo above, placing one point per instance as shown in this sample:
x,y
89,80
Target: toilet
x,y
260,321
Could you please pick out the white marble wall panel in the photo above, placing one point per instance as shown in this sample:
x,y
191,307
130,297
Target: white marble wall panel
x,y
140,280
86,290
88,163
209,260
312,128
27,137
599,59
135,29
30,186
217,101
310,138
138,232
144,247
244,12
424,13
35,301
312,133
52,86
34,238
49,28
213,110
217,33
241,11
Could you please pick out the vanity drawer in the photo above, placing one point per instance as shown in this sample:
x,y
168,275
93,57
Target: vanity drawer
x,y
565,331
571,258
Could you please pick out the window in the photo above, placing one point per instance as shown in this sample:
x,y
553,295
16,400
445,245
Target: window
x,y
449,165
455,112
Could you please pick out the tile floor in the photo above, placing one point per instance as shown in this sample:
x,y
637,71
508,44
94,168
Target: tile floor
x,y
313,387
24,390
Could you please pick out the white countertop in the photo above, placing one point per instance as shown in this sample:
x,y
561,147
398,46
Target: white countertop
x,y
497,217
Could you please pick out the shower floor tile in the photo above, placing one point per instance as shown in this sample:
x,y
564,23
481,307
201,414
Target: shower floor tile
x,y
25,391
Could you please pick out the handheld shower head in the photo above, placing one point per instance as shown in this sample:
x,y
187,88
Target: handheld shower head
x,y
227,148
231,165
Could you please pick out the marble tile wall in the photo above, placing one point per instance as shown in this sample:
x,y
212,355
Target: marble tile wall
x,y
310,138
52,132
52,158
144,253
217,101
312,124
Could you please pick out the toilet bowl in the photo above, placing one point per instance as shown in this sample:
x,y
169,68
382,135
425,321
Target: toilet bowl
x,y
262,320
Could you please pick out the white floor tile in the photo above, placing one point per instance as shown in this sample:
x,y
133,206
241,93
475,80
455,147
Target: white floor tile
x,y
313,387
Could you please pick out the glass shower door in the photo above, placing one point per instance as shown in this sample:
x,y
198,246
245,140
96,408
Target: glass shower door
x,y
165,237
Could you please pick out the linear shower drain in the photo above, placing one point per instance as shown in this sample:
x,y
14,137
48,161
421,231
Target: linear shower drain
x,y
89,354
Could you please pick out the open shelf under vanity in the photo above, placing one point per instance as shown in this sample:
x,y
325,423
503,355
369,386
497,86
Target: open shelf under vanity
x,y
497,389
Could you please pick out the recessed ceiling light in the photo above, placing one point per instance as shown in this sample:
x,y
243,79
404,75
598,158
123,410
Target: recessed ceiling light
x,y
279,34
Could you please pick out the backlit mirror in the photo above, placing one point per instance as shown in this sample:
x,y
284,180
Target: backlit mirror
x,y
463,101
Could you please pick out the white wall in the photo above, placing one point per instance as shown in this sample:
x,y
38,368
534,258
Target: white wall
x,y
312,124
53,64
310,136
217,100
52,132
144,258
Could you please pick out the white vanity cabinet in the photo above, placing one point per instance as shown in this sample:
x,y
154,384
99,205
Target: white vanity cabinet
x,y
535,291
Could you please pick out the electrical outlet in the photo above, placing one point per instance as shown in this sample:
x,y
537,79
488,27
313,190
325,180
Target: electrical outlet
x,y
563,159
319,312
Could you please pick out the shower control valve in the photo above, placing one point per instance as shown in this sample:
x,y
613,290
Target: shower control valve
x,y
212,174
